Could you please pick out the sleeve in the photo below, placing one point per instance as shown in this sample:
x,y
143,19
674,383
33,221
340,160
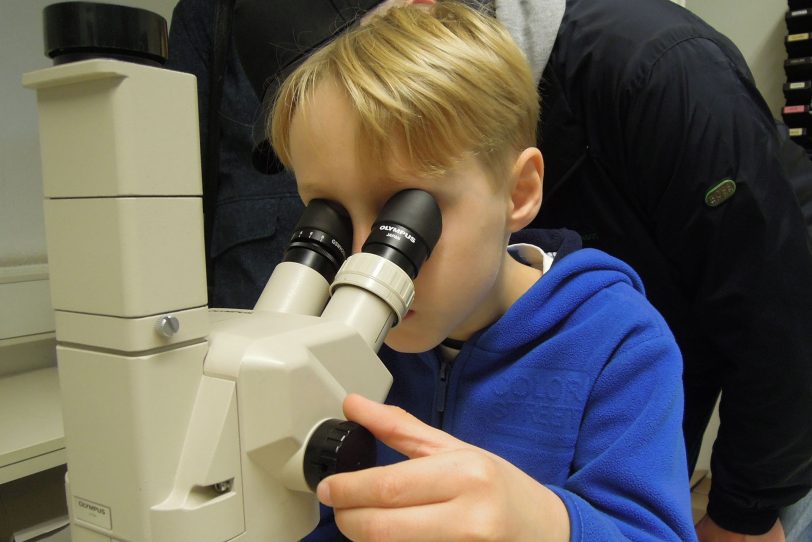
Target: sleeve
x,y
744,266
629,479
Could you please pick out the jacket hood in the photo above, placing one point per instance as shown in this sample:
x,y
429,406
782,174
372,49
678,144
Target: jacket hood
x,y
534,25
575,288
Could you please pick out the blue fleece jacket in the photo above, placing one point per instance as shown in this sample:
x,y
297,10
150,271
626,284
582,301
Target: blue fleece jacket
x,y
579,384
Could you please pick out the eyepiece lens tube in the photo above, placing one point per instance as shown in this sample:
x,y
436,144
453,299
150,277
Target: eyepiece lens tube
x,y
406,230
374,289
300,284
320,238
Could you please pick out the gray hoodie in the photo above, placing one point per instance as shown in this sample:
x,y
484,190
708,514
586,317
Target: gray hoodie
x,y
534,25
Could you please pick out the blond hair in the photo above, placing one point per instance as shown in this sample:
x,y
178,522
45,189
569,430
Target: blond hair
x,y
434,84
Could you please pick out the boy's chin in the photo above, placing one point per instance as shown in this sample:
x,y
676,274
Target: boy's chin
x,y
401,340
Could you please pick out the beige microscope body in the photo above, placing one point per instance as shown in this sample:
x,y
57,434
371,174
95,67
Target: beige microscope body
x,y
181,423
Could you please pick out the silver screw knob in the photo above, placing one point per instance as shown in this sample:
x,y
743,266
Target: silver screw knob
x,y
223,487
167,325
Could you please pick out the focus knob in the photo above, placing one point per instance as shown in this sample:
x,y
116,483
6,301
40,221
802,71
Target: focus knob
x,y
337,446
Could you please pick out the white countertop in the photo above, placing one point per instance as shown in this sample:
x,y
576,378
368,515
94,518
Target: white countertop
x,y
31,434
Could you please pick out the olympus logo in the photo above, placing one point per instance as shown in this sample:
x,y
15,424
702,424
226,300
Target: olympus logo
x,y
398,231
92,507
94,513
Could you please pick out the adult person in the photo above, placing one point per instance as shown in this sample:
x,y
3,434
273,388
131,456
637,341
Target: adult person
x,y
731,271
660,150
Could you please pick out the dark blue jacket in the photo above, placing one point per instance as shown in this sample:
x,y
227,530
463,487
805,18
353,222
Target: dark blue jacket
x,y
645,110
578,385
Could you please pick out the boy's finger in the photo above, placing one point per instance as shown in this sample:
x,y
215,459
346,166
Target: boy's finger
x,y
404,484
425,523
398,429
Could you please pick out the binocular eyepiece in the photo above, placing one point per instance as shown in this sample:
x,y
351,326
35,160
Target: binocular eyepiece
x,y
404,233
316,264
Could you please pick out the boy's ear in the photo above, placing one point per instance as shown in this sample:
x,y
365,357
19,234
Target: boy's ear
x,y
527,175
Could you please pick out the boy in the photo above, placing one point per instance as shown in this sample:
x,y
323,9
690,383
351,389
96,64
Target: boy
x,y
555,392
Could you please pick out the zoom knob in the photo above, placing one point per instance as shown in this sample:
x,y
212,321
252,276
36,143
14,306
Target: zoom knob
x,y
337,446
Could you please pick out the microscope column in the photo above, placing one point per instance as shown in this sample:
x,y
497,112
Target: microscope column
x,y
121,171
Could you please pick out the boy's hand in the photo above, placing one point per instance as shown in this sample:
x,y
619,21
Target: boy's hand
x,y
708,530
448,490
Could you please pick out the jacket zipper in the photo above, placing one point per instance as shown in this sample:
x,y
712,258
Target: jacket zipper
x,y
441,393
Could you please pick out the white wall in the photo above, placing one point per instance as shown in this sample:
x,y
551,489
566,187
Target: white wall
x,y
23,237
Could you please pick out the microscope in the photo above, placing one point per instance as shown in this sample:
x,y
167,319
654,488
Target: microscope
x,y
184,423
